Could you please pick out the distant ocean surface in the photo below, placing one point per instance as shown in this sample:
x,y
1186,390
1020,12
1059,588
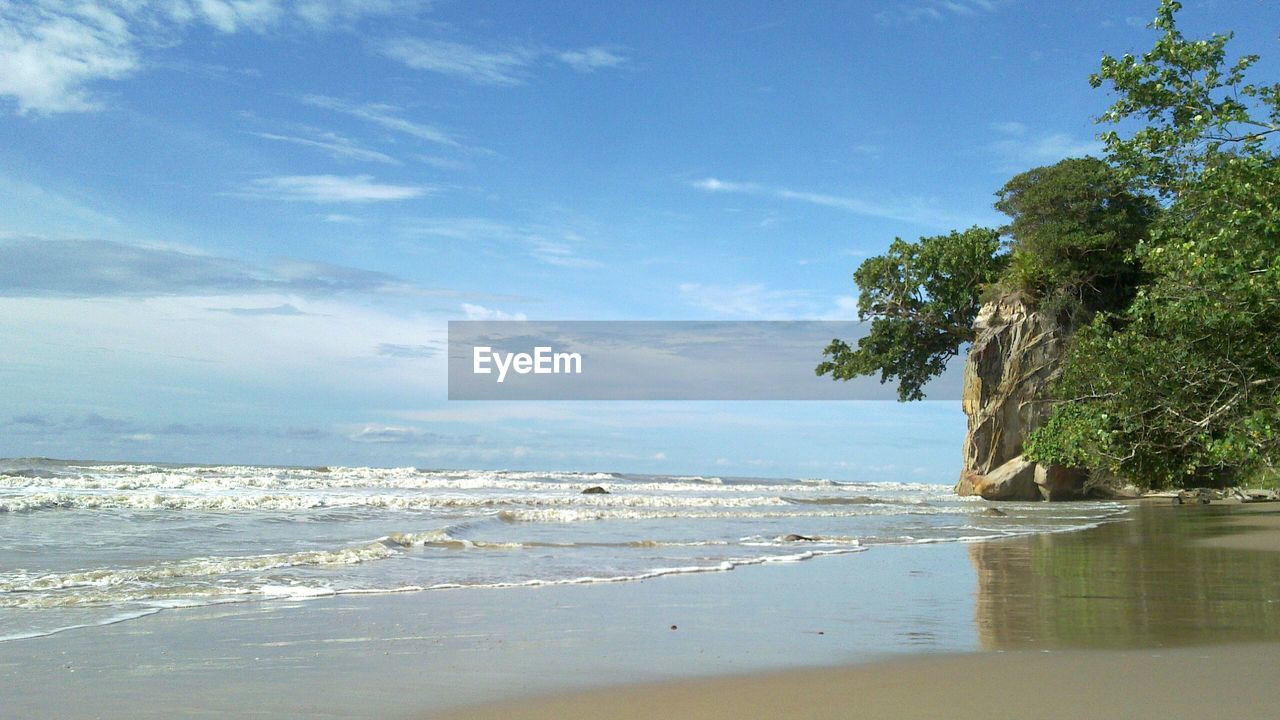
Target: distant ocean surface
x,y
88,543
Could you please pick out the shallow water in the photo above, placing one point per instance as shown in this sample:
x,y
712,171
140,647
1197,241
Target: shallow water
x,y
84,543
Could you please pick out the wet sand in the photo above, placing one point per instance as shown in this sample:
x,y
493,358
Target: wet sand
x,y
1153,601
1214,682
1126,612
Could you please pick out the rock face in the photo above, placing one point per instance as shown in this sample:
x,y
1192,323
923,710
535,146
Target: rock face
x,y
1016,354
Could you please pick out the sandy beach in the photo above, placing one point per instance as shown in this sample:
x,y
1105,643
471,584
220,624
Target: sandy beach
x,y
1155,613
1199,577
1217,681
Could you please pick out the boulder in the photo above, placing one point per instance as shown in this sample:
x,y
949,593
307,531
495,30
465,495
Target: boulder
x,y
1014,480
1061,483
1259,495
595,490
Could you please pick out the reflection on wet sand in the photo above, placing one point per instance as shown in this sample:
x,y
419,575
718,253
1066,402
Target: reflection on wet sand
x,y
1155,579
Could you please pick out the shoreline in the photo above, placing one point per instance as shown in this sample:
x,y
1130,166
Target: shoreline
x,y
1122,585
1210,668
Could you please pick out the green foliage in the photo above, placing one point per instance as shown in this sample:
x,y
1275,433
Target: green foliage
x,y
1074,229
1074,226
1183,388
1195,106
921,299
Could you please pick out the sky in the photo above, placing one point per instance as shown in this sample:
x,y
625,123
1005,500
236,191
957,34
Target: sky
x,y
235,230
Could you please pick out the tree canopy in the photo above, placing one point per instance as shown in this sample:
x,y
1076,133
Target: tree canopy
x,y
921,299
1069,244
1074,228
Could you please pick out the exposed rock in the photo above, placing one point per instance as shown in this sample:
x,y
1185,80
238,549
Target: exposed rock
x,y
595,490
1014,480
1060,483
1259,495
1105,486
995,512
797,538
1016,354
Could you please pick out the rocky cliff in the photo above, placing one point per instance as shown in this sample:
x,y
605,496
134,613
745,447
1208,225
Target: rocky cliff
x,y
1016,353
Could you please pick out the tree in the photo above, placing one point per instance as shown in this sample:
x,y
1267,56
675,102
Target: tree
x,y
1194,105
1074,228
921,299
1183,387
1069,245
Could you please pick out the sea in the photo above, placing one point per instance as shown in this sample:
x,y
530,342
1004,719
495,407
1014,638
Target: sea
x,y
85,544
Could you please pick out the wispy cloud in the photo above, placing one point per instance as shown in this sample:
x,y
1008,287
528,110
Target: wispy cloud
x,y
283,310
388,434
53,267
480,312
409,352
757,301
915,210
591,59
384,116
340,218
331,189
497,66
935,10
1018,148
52,53
558,253
752,301
334,145
500,64
546,244
135,430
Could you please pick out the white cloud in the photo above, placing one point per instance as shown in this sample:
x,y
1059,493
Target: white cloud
x,y
53,51
479,312
383,434
327,13
331,188
752,301
1020,149
846,308
334,145
441,163
46,57
558,253
1010,128
538,239
494,65
935,10
914,210
383,116
756,301
467,62
591,59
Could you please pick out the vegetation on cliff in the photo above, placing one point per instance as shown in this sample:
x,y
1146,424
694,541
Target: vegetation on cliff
x,y
1164,260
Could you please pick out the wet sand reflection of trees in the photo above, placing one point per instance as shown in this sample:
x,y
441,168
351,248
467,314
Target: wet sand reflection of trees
x,y
1141,582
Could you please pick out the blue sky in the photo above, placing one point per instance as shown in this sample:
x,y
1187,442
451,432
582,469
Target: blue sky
x,y
234,230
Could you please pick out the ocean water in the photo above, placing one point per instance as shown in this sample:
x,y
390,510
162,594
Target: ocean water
x,y
88,543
